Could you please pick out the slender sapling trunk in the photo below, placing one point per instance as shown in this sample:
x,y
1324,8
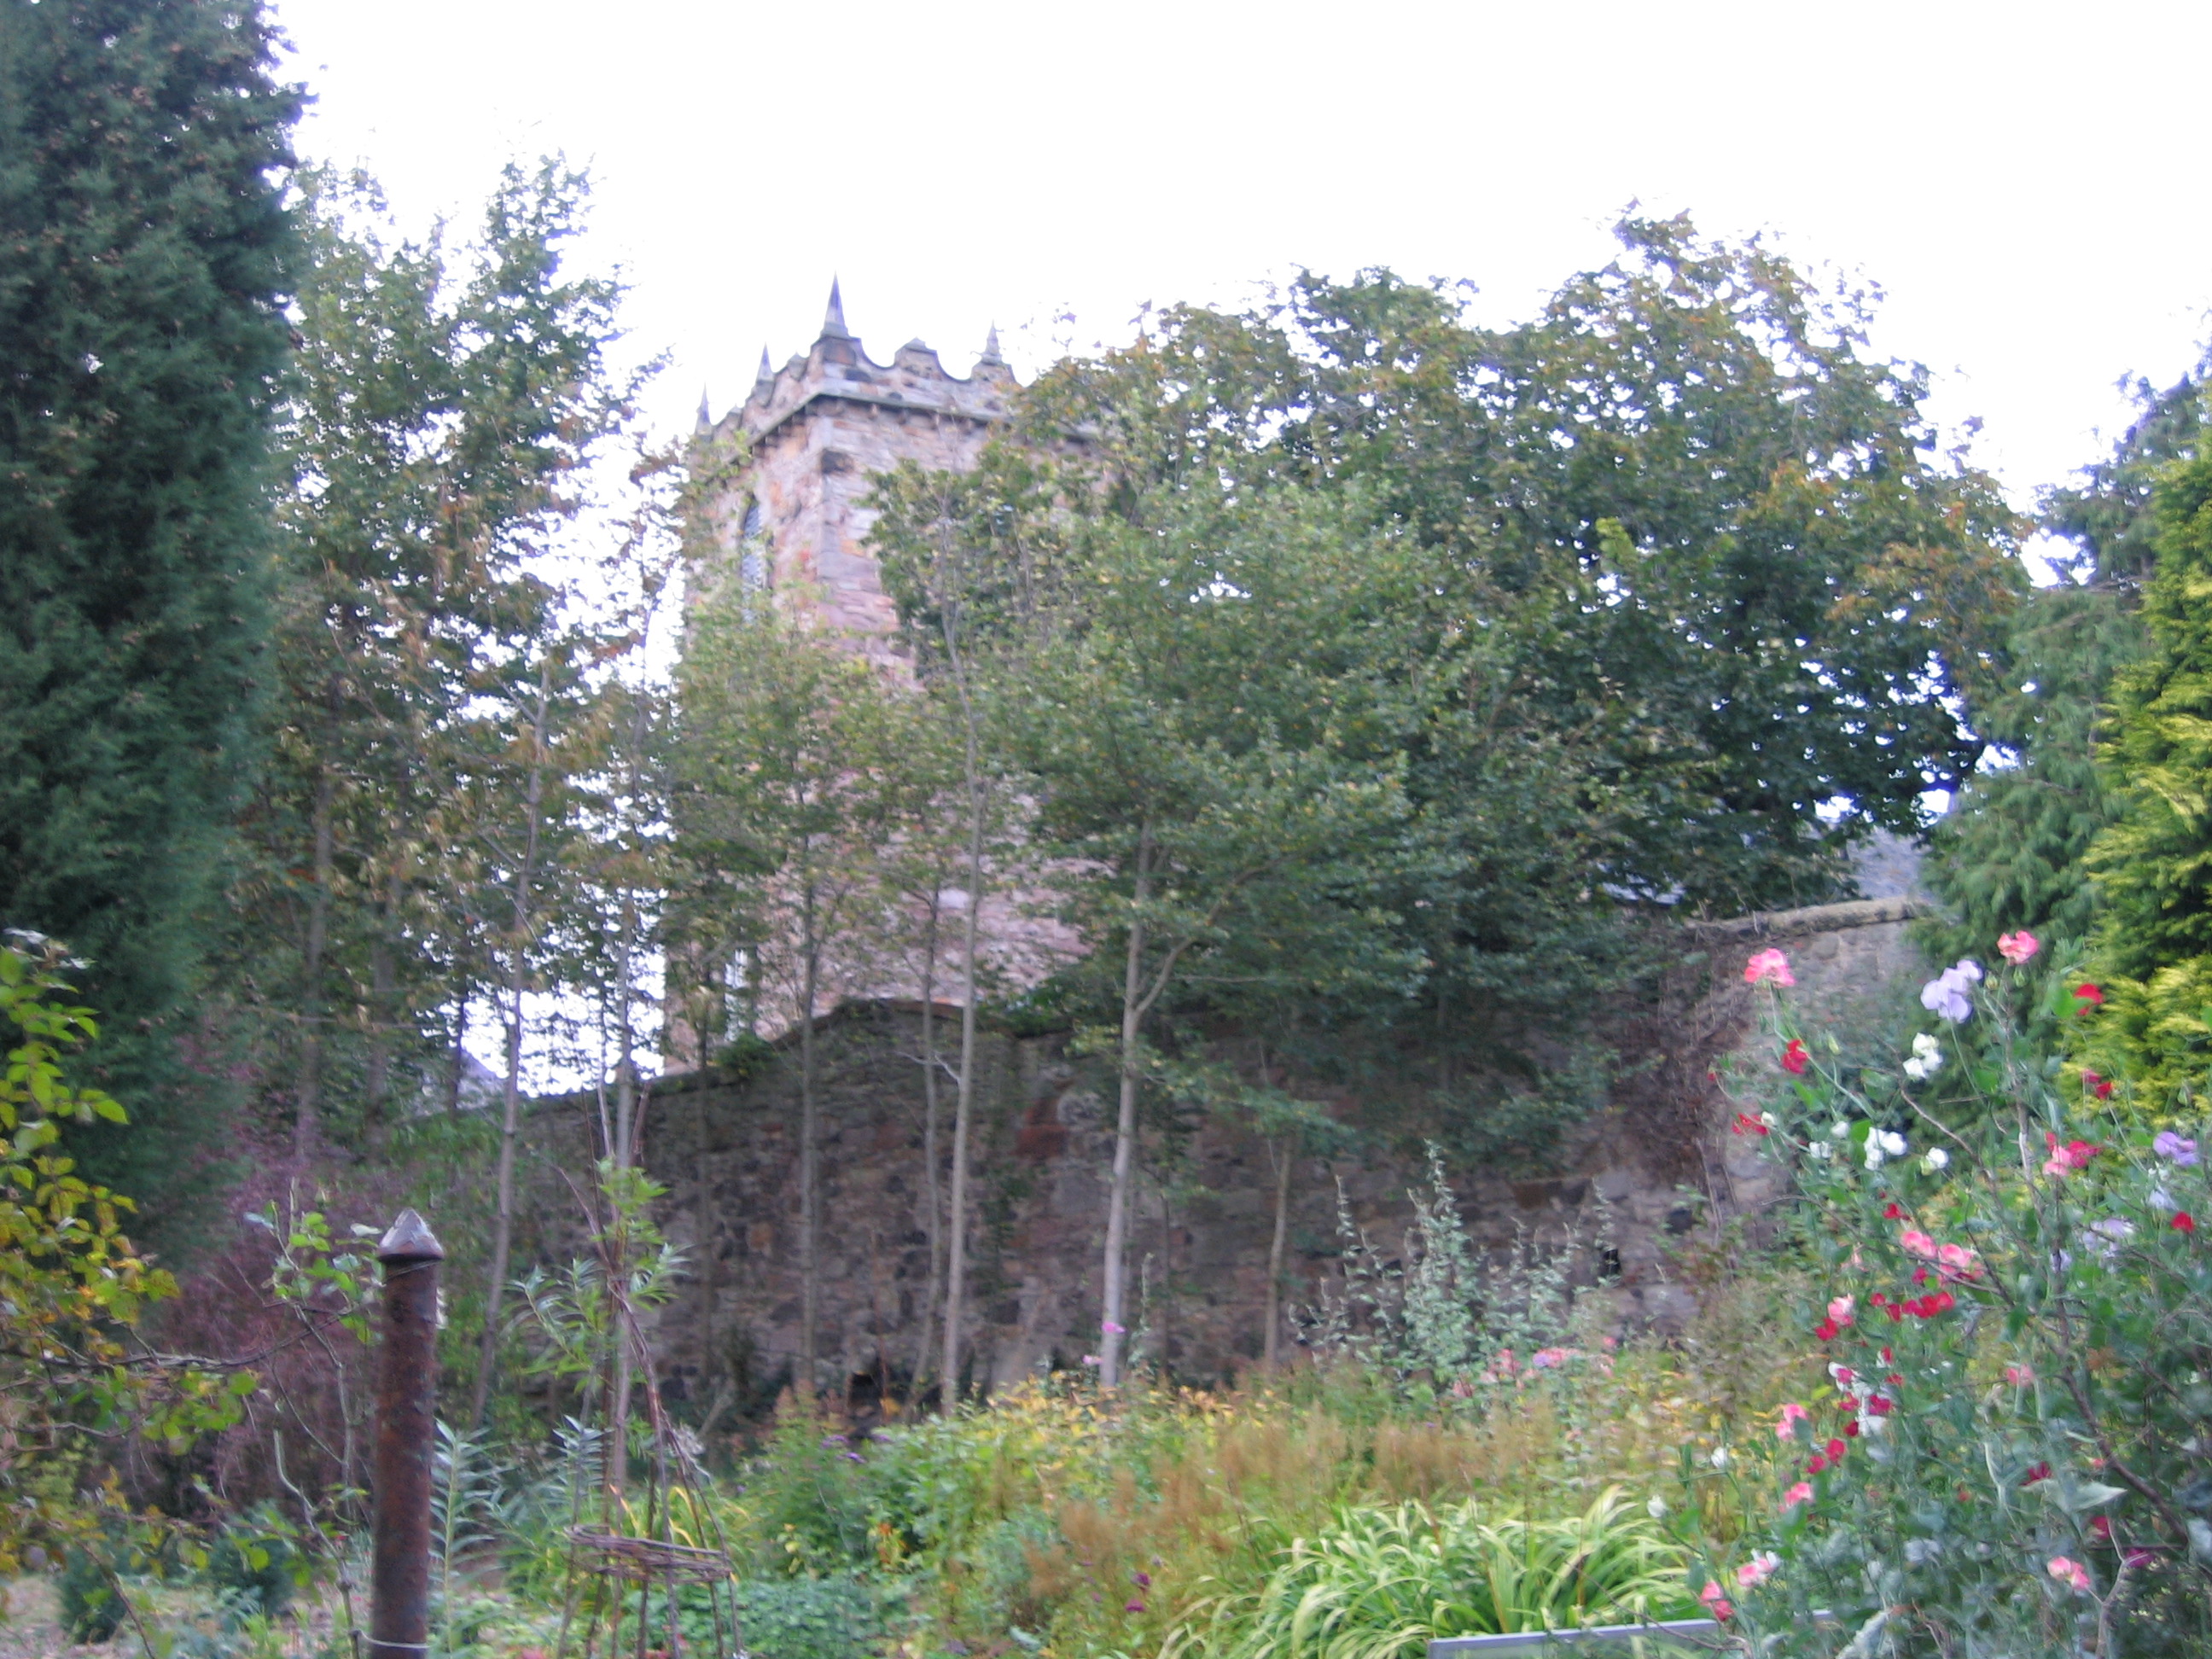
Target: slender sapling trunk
x,y
511,1114
1112,1326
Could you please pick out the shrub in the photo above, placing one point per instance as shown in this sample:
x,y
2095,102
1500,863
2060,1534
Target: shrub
x,y
253,1559
830,1618
92,1607
2015,1455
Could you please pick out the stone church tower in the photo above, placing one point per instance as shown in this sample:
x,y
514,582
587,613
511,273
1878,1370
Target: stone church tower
x,y
789,525
790,521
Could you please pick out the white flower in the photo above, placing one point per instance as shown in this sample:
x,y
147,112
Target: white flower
x,y
1720,1459
1818,1151
1893,1144
1840,1130
1873,1153
1937,1160
1657,1508
1769,1120
1927,1058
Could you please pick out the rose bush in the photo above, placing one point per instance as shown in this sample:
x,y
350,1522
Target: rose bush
x,y
2015,1456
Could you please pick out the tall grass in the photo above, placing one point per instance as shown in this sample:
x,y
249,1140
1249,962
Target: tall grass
x,y
1379,1583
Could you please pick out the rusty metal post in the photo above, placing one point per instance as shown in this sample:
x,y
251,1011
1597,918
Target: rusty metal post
x,y
406,1441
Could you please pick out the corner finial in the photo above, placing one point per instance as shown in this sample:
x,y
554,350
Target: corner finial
x,y
767,368
409,1240
991,347
705,414
832,320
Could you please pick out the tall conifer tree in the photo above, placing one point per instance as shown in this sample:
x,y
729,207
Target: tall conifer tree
x,y
145,250
2153,865
2010,855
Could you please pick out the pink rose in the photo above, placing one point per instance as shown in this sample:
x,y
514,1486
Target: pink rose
x,y
2071,1573
1800,1494
1958,1262
1791,1413
2016,948
1768,965
1916,1243
1758,1569
1841,1309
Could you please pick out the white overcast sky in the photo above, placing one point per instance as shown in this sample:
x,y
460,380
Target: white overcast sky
x,y
2026,182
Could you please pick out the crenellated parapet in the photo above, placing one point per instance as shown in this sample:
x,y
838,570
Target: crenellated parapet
x,y
792,522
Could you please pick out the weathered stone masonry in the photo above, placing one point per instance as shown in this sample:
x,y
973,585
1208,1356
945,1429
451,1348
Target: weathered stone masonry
x,y
791,521
1665,1167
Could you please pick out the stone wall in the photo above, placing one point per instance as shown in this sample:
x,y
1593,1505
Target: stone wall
x,y
1659,1158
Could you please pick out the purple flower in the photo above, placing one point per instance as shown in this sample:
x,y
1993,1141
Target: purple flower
x,y
1111,1328
853,1457
1134,1607
1143,1580
2175,1149
1950,994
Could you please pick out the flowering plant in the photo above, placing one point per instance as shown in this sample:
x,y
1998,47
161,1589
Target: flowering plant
x,y
2016,1456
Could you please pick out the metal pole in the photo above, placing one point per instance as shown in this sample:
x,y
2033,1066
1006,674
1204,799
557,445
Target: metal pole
x,y
406,1436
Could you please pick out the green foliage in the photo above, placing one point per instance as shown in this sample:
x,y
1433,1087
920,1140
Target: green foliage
x,y
2019,1322
92,1605
1447,1311
254,1558
149,252
834,1617
1707,575
75,1286
2154,864
573,1319
1380,1584
2011,853
787,778
447,403
1606,610
806,1496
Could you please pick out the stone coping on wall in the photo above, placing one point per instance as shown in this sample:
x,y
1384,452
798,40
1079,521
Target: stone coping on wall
x,y
1817,919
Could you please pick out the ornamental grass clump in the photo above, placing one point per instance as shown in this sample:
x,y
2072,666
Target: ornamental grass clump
x,y
2014,1454
1382,1583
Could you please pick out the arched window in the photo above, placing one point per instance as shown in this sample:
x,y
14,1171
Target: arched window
x,y
753,549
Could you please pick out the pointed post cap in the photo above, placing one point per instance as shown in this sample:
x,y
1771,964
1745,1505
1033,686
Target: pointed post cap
x,y
832,320
409,1240
991,347
706,413
767,368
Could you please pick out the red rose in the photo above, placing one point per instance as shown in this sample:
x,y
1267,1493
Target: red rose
x,y
1793,1058
2184,1222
